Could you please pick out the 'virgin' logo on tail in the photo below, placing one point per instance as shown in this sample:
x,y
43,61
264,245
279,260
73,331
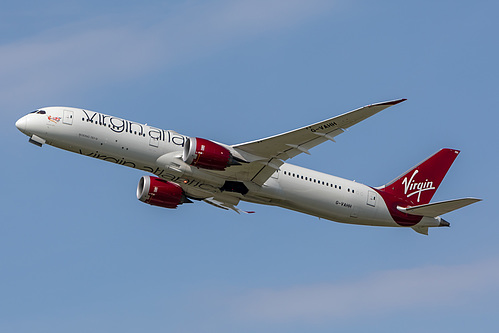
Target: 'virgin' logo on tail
x,y
411,187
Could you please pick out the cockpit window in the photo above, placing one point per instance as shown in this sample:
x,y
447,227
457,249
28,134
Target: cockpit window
x,y
38,112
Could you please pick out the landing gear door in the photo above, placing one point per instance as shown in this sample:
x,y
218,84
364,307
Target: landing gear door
x,y
67,117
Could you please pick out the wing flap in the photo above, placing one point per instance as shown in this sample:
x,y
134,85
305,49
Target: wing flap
x,y
266,171
225,205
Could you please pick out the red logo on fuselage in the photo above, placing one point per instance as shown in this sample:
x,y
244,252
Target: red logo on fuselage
x,y
54,119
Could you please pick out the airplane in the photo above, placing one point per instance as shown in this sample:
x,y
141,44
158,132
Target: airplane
x,y
191,168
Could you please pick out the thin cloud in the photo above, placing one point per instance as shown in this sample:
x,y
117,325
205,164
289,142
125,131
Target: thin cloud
x,y
383,293
103,50
44,66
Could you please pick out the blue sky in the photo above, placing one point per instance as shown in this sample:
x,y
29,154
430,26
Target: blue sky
x,y
80,253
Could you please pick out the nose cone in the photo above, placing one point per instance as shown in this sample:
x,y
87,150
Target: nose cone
x,y
21,124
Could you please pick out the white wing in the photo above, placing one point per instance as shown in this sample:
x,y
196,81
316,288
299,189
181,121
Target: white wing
x,y
267,155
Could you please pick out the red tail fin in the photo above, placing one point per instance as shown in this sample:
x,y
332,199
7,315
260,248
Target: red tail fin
x,y
418,185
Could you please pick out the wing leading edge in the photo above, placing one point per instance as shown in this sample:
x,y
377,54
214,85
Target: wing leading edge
x,y
268,154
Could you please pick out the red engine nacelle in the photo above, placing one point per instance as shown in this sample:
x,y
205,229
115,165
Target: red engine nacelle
x,y
206,154
158,192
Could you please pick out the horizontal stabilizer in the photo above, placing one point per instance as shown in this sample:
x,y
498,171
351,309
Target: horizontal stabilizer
x,y
438,208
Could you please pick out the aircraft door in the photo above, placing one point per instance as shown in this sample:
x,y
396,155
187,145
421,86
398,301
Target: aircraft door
x,y
371,198
67,117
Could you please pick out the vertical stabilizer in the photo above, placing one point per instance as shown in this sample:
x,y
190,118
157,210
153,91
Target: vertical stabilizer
x,y
418,185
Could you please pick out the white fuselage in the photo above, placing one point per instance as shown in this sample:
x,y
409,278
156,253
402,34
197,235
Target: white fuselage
x,y
152,150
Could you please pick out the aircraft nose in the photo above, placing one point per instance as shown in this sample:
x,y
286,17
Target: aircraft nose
x,y
21,124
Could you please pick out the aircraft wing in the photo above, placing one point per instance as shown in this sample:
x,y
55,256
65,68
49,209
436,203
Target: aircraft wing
x,y
272,151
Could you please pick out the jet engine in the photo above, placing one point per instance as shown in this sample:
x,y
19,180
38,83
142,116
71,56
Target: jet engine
x,y
158,192
206,154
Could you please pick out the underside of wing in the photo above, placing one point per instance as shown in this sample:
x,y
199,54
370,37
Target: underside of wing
x,y
267,155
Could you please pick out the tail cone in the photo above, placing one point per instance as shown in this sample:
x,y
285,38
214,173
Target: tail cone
x,y
444,223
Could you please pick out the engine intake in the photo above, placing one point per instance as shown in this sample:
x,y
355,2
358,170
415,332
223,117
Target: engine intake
x,y
158,192
206,154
